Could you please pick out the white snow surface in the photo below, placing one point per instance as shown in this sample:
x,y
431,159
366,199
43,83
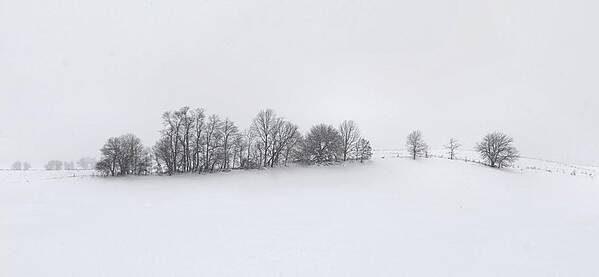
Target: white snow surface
x,y
387,217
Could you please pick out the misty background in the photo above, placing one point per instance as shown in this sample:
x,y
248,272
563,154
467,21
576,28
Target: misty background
x,y
73,73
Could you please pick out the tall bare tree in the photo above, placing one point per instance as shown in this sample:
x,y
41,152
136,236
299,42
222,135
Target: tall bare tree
x,y
283,136
198,149
452,147
212,142
186,117
350,135
263,126
229,131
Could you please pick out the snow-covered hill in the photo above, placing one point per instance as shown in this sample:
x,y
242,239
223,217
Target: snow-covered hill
x,y
523,164
389,217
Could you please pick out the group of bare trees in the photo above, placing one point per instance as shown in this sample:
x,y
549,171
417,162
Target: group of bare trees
x,y
496,149
325,143
18,165
271,140
192,141
83,163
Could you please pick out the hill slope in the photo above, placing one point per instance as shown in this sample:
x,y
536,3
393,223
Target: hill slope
x,y
390,217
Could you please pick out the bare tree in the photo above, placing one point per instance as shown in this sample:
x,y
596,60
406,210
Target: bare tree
x,y
263,126
452,147
169,145
293,145
54,165
68,165
212,138
350,135
186,117
229,131
415,144
17,165
86,163
496,150
284,136
251,154
323,144
26,166
363,150
198,149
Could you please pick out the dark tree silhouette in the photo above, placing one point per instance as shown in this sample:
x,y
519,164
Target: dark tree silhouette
x,y
496,150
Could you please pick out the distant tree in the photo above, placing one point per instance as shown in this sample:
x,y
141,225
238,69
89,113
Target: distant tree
x,y
86,163
416,145
323,144
496,150
54,165
26,166
452,147
17,165
363,150
350,135
68,165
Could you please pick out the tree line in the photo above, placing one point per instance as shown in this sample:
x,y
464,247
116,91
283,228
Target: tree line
x,y
85,163
18,165
192,141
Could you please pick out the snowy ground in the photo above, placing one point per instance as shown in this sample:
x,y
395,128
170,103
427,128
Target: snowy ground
x,y
390,217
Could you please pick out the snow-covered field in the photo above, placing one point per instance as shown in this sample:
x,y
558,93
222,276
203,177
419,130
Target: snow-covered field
x,y
389,217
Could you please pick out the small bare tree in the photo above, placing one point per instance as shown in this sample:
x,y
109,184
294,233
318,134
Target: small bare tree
x,y
363,150
496,150
452,147
26,166
416,145
350,135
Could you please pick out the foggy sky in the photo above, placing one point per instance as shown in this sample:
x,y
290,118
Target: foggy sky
x,y
74,72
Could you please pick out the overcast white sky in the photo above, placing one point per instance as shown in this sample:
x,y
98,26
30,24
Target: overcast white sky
x,y
74,72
